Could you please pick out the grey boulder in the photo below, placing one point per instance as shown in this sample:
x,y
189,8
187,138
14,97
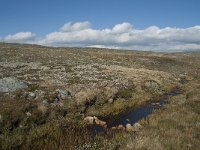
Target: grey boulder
x,y
10,84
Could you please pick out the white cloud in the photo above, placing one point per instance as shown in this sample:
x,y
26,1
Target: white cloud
x,y
68,27
21,37
122,28
122,35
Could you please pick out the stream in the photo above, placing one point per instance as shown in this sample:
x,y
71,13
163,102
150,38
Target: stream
x,y
140,112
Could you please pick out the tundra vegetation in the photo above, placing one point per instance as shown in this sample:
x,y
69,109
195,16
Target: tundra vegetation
x,y
48,95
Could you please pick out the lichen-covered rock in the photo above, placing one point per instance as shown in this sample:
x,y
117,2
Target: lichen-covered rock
x,y
11,84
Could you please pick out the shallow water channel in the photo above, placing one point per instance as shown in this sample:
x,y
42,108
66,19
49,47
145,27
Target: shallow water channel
x,y
138,113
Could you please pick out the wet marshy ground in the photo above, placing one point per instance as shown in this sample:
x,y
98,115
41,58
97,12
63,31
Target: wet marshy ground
x,y
140,112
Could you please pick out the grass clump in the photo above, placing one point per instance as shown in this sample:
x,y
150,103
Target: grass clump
x,y
124,93
68,69
33,87
74,80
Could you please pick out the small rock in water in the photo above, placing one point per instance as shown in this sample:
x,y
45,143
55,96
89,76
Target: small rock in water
x,y
99,122
95,120
129,127
156,105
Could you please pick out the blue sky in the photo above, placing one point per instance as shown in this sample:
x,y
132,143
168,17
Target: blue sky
x,y
42,17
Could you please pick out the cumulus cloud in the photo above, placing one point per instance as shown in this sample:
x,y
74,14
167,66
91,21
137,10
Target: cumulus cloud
x,y
123,36
122,28
20,37
68,27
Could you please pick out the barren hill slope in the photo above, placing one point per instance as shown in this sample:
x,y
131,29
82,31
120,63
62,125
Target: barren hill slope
x,y
62,86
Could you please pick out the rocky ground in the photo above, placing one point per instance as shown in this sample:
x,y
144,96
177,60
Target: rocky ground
x,y
45,94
